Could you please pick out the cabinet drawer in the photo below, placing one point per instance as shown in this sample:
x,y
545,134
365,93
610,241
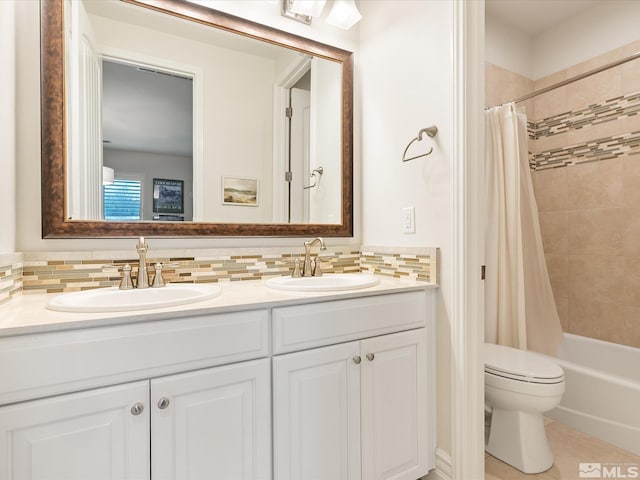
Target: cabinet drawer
x,y
47,364
308,326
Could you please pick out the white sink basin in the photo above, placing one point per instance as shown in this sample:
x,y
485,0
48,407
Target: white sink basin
x,y
325,283
116,300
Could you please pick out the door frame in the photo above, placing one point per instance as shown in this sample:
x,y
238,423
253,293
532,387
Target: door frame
x,y
197,75
467,329
281,135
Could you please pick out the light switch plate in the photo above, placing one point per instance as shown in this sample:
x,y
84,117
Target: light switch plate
x,y
408,220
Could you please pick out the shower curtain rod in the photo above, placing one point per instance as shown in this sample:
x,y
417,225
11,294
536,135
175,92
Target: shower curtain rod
x,y
578,77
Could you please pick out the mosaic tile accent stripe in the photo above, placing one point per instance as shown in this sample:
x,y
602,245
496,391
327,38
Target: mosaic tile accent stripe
x,y
416,264
596,114
69,275
10,276
75,271
596,149
626,144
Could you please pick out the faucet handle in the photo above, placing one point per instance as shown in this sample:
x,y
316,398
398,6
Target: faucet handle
x,y
158,281
297,273
126,283
317,269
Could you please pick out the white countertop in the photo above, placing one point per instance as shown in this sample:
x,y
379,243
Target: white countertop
x,y
27,314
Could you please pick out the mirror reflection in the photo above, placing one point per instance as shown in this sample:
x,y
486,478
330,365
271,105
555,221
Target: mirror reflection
x,y
170,120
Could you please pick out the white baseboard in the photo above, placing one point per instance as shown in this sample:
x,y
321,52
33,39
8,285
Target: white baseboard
x,y
443,467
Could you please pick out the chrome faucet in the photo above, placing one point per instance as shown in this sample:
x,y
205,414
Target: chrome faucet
x,y
309,270
143,274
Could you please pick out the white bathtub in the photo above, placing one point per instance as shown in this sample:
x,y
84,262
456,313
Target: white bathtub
x,y
602,396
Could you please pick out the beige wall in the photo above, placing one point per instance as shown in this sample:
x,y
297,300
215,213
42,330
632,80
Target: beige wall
x,y
587,185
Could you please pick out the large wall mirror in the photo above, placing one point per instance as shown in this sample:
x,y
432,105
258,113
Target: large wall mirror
x,y
167,118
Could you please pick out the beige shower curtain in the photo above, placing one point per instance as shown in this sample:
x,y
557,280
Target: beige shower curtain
x,y
520,308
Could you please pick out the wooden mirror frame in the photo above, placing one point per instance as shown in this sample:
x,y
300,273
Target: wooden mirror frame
x,y
53,136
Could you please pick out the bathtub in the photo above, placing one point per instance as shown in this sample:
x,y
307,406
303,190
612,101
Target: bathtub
x,y
602,396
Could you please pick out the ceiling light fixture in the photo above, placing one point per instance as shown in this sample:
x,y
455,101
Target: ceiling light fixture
x,y
344,14
310,8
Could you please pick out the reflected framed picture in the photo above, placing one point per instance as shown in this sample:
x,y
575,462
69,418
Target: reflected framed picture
x,y
240,191
168,196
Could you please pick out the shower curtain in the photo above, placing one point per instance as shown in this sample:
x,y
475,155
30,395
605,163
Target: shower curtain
x,y
520,308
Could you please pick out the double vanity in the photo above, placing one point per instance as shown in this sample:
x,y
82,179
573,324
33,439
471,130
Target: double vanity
x,y
265,379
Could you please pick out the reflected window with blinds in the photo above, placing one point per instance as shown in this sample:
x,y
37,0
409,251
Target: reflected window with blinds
x,y
122,200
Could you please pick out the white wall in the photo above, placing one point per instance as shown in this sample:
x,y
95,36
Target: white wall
x,y
238,111
604,27
507,47
7,132
405,73
28,237
594,31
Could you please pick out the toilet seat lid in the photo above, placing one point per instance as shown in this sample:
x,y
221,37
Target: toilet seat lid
x,y
520,365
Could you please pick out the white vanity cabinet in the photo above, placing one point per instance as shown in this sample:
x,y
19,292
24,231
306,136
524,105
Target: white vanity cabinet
x,y
211,423
361,409
324,388
87,435
190,395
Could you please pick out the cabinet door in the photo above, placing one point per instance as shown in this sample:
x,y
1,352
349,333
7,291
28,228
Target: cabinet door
x,y
316,414
213,424
87,435
395,405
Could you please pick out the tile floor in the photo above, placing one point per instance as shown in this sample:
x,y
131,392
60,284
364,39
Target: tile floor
x,y
570,448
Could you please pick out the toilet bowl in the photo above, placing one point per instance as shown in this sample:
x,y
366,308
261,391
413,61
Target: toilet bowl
x,y
519,387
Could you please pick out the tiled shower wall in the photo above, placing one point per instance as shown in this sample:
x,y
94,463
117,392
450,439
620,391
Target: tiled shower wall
x,y
585,150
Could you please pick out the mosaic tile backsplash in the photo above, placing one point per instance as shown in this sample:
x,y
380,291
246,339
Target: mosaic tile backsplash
x,y
10,276
74,271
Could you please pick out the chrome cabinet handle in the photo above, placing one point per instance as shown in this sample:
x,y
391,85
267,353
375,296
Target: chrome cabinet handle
x,y
357,359
137,409
163,403
370,356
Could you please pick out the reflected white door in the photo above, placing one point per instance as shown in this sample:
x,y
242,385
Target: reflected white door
x,y
88,435
299,155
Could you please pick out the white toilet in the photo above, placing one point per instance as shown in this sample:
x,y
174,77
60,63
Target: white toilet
x,y
519,387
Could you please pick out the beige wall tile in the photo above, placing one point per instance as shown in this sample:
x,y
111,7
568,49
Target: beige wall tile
x,y
596,231
631,48
632,123
558,267
631,76
503,86
595,185
596,132
555,233
595,319
632,283
544,144
550,188
551,103
631,181
632,327
631,234
549,80
595,62
595,89
598,278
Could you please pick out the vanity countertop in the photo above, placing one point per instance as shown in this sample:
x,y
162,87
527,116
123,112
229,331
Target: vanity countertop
x,y
27,314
